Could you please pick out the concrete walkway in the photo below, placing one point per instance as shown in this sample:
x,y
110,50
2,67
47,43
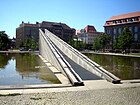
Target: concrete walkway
x,y
82,72
95,92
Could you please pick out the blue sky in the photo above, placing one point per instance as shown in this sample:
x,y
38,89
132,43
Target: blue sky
x,y
75,13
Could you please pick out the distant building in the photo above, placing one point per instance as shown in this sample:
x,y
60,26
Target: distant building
x,y
90,29
115,25
28,31
88,38
78,32
61,30
88,35
13,43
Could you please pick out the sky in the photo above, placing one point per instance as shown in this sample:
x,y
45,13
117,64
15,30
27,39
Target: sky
x,y
75,13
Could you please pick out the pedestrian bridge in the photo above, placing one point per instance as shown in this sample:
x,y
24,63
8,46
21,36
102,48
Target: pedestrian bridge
x,y
69,61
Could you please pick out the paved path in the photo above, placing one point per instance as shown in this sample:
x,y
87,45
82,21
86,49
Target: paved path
x,y
94,93
83,73
128,96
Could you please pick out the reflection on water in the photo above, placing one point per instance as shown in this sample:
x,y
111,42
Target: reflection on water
x,y
24,69
4,60
123,67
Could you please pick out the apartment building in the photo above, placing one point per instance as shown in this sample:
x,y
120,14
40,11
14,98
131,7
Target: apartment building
x,y
28,31
115,25
61,30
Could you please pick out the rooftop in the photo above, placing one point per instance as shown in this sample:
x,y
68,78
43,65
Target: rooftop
x,y
124,16
51,24
128,18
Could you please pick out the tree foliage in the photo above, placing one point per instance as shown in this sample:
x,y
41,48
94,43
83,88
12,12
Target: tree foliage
x,y
31,44
97,44
124,41
79,45
102,41
4,41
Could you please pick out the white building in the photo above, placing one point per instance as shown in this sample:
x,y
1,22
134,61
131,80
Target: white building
x,y
88,38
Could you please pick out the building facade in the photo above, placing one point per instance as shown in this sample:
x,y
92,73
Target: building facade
x,y
26,31
31,31
115,25
88,35
88,38
61,30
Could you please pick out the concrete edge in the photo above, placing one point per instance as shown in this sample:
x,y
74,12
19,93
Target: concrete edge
x,y
17,51
40,86
56,72
89,85
113,54
131,81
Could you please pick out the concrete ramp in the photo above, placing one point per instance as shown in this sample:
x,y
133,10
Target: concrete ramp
x,y
50,53
73,55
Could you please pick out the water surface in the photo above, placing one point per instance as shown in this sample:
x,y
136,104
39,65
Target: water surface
x,y
24,69
125,68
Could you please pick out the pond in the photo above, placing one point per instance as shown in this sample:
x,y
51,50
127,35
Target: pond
x,y
24,69
126,68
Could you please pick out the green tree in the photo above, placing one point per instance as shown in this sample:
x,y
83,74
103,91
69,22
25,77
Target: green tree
x,y
97,44
71,42
31,43
102,41
79,45
4,41
125,39
115,43
105,40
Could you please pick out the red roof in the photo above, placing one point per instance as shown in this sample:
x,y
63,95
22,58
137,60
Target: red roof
x,y
90,28
123,16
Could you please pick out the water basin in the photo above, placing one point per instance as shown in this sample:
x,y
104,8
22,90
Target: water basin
x,y
24,69
126,68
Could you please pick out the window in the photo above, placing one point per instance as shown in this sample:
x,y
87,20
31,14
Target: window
x,y
130,20
119,21
115,30
107,23
136,29
125,20
130,29
135,37
108,31
136,19
119,30
114,22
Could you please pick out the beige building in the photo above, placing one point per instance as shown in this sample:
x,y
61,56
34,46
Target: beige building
x,y
88,35
88,38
